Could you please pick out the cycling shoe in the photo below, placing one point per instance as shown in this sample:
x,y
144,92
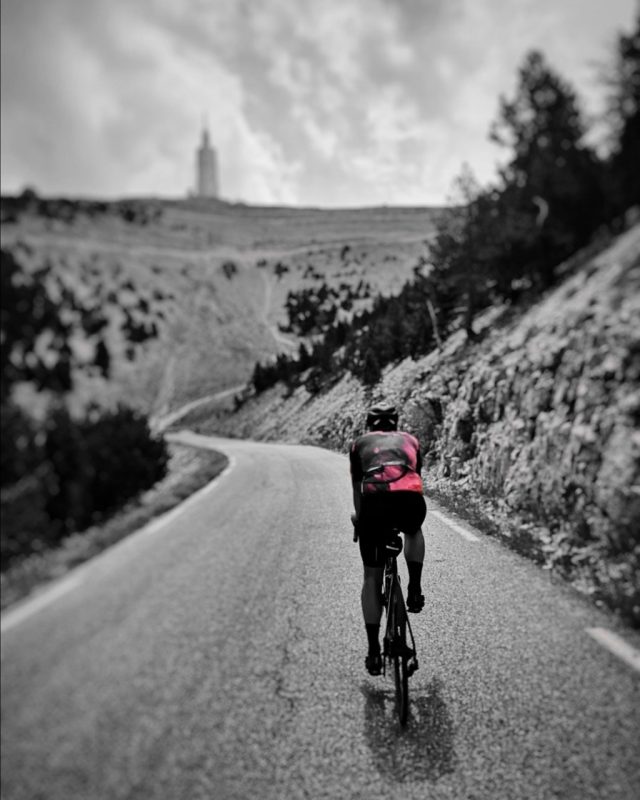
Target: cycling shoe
x,y
415,603
373,663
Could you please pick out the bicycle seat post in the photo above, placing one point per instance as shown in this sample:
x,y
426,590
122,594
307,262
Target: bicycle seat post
x,y
394,543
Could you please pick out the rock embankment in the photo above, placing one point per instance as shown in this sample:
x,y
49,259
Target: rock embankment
x,y
542,422
533,430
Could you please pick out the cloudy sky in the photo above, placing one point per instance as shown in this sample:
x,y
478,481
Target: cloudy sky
x,y
308,102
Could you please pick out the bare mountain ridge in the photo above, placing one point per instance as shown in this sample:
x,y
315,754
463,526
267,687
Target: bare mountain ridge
x,y
208,279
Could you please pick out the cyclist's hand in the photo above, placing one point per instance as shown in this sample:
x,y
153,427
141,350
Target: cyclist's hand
x,y
354,522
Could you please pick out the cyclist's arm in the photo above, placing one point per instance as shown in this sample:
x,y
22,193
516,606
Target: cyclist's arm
x,y
356,498
356,478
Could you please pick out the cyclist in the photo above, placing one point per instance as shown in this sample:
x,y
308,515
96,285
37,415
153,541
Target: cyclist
x,y
387,493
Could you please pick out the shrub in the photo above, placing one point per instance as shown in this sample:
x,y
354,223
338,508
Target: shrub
x,y
83,470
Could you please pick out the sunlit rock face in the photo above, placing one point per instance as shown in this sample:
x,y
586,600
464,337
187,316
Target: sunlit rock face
x,y
542,418
546,413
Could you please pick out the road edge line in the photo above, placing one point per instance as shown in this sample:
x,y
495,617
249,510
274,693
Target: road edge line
x,y
14,616
169,516
470,537
616,645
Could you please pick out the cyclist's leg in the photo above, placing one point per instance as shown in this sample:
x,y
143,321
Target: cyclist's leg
x,y
371,596
414,556
414,548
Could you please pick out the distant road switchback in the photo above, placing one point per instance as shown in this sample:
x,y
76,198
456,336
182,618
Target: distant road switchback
x,y
219,654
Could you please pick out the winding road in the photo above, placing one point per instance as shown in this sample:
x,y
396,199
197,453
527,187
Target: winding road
x,y
161,422
273,329
218,653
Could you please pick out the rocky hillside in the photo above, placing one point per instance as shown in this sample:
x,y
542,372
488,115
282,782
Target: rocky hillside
x,y
532,430
195,291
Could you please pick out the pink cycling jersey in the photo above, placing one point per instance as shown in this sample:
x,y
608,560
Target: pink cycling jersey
x,y
386,461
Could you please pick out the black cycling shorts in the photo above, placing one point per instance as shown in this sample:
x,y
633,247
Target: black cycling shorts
x,y
382,511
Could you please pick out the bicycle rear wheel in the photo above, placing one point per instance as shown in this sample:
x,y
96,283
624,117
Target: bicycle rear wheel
x,y
400,668
400,654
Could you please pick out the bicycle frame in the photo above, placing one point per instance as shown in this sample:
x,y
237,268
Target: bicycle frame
x,y
396,610
396,650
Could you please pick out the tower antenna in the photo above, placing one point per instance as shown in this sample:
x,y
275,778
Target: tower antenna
x,y
206,164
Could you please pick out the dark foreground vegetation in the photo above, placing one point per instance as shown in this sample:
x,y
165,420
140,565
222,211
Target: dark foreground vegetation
x,y
66,473
61,471
135,212
501,243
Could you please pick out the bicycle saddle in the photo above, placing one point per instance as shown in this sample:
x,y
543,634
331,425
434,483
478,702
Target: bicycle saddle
x,y
394,544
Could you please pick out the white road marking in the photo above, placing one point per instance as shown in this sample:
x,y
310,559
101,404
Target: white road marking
x,y
14,617
169,516
470,537
76,578
617,645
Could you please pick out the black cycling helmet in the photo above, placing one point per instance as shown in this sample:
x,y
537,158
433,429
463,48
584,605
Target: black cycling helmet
x,y
382,419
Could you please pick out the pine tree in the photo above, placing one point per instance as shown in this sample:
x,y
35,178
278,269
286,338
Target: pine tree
x,y
371,372
463,269
544,129
624,117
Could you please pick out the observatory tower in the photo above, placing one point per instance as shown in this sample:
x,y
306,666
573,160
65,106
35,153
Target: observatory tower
x,y
206,168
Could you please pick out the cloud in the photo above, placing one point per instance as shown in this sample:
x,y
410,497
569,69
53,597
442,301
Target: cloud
x,y
326,102
114,105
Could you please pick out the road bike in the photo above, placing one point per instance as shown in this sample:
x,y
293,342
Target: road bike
x,y
398,649
399,646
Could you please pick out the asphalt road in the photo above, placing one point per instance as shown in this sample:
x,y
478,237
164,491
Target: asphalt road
x,y
219,654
